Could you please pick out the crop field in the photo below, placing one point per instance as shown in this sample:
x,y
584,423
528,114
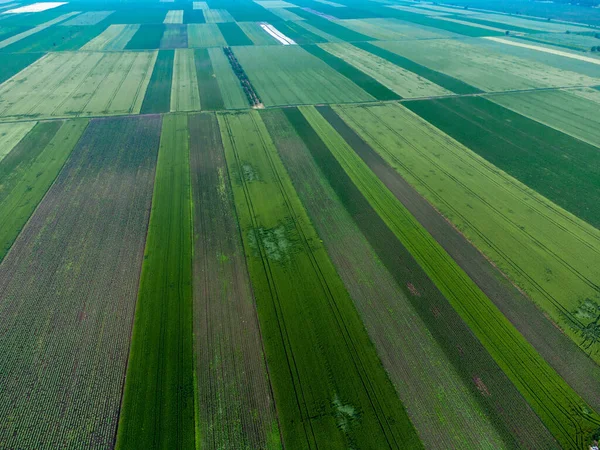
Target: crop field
x,y
290,75
299,224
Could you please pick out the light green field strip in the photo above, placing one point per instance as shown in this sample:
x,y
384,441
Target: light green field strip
x,y
539,48
184,89
114,38
275,4
43,26
218,16
11,134
565,414
445,9
565,111
486,69
403,82
175,16
288,75
587,93
205,35
200,5
307,26
231,90
286,14
71,84
549,253
256,34
88,18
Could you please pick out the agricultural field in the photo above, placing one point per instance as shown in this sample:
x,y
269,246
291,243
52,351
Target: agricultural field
x,y
299,224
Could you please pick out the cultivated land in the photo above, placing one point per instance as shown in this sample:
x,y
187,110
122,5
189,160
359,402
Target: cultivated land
x,y
299,224
79,347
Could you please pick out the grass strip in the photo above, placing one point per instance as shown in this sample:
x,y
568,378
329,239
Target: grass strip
x,y
158,401
14,63
366,82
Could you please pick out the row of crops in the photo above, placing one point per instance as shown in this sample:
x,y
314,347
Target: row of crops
x,y
347,277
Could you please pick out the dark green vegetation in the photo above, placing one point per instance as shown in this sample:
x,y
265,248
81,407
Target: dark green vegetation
x,y
236,407
370,85
143,15
562,168
233,34
14,63
158,401
193,16
441,79
158,94
323,368
147,37
83,245
57,38
210,94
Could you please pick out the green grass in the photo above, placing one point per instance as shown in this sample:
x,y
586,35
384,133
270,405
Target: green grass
x,y
148,37
158,402
361,79
561,168
563,412
210,94
29,170
233,34
330,388
193,16
158,94
439,78
297,33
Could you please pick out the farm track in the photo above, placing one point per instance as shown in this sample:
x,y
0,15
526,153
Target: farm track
x,y
580,371
63,364
237,407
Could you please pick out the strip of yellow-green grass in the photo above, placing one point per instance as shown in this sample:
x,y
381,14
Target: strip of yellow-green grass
x,y
158,402
565,414
29,170
330,388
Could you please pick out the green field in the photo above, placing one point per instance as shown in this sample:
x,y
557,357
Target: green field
x,y
299,224
289,75
158,400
